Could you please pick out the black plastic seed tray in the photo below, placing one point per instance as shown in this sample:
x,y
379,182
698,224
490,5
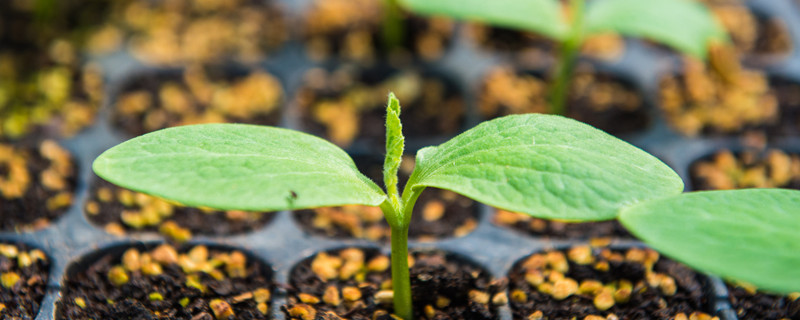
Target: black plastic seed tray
x,y
282,243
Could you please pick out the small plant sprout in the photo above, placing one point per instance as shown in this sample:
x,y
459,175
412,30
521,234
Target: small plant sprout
x,y
685,25
547,166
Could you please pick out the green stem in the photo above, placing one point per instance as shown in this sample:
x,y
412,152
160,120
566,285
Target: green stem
x,y
566,59
392,28
401,280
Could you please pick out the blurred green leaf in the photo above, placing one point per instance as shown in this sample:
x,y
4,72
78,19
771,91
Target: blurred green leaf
x,y
686,25
751,235
540,16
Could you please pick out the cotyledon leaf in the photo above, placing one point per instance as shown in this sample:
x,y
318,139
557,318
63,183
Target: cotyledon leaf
x,y
540,16
750,235
683,24
235,166
547,166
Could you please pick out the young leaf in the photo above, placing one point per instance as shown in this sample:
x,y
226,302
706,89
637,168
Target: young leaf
x,y
751,235
395,143
233,166
683,24
546,166
540,16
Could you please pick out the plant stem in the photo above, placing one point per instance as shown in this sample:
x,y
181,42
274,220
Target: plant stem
x,y
401,282
392,28
567,58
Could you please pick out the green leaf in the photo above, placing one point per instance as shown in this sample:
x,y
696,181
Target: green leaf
x,y
395,143
234,166
546,166
540,16
686,25
751,235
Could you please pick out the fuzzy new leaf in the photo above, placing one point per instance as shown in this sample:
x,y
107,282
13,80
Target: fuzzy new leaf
x,y
685,25
540,16
234,166
395,143
751,235
546,166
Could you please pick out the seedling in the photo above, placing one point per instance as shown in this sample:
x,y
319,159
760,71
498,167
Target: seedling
x,y
682,24
547,166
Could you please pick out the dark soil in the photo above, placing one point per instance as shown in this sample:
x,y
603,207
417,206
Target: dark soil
x,y
759,305
155,101
558,229
467,289
537,51
352,31
88,283
184,32
347,105
753,33
602,100
747,169
197,221
39,205
640,275
438,213
788,94
23,299
717,98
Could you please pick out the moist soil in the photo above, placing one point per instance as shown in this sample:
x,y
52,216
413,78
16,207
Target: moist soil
x,y
788,94
443,287
718,98
173,293
725,170
22,299
438,213
759,305
578,282
50,176
599,99
107,206
559,229
182,32
194,95
534,50
352,31
753,34
346,105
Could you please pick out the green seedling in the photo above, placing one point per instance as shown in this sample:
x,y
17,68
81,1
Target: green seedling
x,y
547,166
682,24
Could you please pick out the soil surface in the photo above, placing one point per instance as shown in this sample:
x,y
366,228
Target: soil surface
x,y
586,283
788,94
355,284
558,229
120,210
23,280
181,32
721,97
534,50
749,169
347,104
753,34
155,101
36,184
438,213
599,99
751,304
351,30
53,94
160,283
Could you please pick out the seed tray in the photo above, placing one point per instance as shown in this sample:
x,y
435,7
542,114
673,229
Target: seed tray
x,y
282,243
